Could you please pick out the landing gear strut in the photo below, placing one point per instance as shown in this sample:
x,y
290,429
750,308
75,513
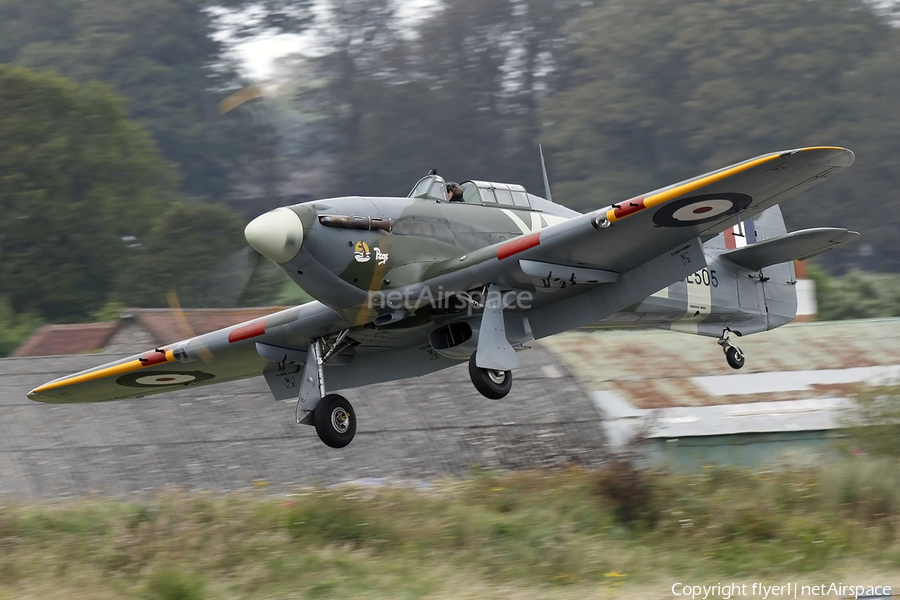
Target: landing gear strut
x,y
331,414
733,354
492,383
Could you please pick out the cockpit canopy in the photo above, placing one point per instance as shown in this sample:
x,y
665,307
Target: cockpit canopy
x,y
430,187
487,192
433,187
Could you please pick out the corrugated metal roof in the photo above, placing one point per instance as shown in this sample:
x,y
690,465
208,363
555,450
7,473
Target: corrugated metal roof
x,y
622,420
661,369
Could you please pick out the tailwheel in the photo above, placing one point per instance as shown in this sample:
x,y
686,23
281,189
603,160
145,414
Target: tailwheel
x,y
335,420
492,383
734,356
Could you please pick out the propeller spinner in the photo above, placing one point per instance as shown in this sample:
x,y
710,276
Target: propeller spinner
x,y
277,234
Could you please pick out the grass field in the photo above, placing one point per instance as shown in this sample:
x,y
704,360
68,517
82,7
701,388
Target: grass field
x,y
567,534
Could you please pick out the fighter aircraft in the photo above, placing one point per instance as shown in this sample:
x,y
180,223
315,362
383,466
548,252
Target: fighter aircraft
x,y
408,286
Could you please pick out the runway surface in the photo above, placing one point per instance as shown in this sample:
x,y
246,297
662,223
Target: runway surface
x,y
234,436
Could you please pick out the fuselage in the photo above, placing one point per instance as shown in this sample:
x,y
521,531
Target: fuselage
x,y
381,260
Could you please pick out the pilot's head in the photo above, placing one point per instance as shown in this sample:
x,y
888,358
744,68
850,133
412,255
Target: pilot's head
x,y
454,192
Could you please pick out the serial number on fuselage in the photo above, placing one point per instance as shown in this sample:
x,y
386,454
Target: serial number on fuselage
x,y
704,276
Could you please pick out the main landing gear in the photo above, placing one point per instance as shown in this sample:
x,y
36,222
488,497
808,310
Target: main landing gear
x,y
733,354
491,373
335,420
492,383
331,414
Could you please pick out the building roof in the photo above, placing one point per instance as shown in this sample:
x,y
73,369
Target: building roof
x,y
166,325
655,369
52,340
622,421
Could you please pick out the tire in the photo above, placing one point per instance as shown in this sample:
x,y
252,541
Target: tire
x,y
735,357
491,383
335,420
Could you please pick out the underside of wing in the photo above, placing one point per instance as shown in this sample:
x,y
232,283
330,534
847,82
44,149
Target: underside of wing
x,y
224,355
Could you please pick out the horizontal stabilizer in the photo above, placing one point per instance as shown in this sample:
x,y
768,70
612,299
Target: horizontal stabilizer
x,y
797,245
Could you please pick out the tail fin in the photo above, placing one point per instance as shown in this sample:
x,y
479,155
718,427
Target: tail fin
x,y
767,290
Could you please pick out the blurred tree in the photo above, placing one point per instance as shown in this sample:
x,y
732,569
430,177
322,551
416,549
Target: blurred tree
x,y
872,421
166,57
458,90
662,92
76,180
856,295
198,251
23,23
14,327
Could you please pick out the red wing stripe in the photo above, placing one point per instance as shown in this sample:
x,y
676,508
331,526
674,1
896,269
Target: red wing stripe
x,y
630,206
519,244
247,331
153,358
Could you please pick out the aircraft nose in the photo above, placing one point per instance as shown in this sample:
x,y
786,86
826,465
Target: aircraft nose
x,y
277,234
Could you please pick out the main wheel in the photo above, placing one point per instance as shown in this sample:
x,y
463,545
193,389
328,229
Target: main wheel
x,y
491,383
335,420
734,356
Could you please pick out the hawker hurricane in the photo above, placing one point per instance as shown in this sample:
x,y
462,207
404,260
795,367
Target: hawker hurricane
x,y
474,271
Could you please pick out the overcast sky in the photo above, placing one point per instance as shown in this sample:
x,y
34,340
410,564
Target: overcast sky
x,y
259,55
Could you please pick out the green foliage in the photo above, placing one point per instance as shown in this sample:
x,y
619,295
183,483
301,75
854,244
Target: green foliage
x,y
872,422
856,295
625,97
660,93
628,487
163,56
868,490
535,533
174,584
289,293
14,327
111,311
76,177
462,95
198,251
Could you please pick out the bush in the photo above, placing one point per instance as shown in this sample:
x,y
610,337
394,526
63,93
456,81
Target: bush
x,y
628,486
867,488
872,423
174,584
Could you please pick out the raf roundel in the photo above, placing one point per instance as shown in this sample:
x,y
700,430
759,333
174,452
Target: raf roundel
x,y
699,210
162,379
167,379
